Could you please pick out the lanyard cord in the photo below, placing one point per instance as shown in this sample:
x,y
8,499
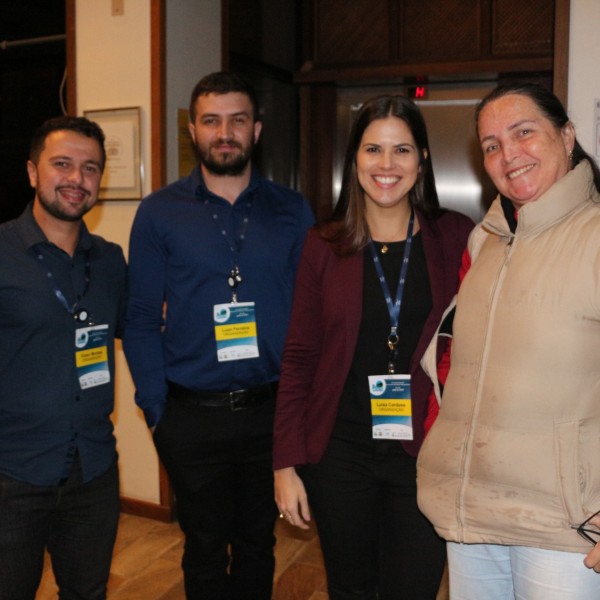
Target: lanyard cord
x,y
234,277
57,291
394,306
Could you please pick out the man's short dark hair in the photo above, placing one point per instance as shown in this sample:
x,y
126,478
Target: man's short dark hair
x,y
223,83
79,125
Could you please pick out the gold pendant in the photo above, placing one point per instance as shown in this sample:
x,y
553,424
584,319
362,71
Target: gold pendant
x,y
384,249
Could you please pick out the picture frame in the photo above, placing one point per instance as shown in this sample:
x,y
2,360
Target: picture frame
x,y
123,172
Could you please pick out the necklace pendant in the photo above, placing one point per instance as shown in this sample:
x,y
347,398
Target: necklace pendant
x,y
384,248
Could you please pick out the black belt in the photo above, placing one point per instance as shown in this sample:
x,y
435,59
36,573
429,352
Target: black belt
x,y
236,400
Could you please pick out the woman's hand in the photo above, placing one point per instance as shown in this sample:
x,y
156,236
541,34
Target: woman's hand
x,y
592,560
290,497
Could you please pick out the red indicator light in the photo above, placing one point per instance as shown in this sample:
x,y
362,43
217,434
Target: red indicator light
x,y
418,92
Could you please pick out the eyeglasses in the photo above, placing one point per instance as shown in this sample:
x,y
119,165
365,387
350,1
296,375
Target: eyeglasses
x,y
586,532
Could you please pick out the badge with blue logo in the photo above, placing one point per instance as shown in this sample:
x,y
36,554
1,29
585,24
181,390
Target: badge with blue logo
x,y
235,331
391,407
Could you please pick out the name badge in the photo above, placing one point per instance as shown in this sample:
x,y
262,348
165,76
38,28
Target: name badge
x,y
91,356
235,331
391,407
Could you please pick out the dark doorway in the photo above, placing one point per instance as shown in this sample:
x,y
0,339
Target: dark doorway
x,y
32,68
262,43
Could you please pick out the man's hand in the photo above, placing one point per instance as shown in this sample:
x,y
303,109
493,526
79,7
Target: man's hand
x,y
592,560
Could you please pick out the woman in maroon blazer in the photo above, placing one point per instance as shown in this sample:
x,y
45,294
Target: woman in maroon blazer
x,y
371,288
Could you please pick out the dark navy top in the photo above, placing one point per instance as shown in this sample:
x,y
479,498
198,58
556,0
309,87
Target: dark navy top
x,y
45,416
179,261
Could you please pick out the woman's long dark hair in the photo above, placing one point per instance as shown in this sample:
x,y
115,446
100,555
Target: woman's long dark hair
x,y
348,230
552,108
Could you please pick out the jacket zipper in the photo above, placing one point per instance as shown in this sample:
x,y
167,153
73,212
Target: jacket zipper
x,y
467,453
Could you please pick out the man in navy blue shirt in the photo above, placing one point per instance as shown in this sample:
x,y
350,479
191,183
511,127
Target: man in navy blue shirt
x,y
212,265
62,302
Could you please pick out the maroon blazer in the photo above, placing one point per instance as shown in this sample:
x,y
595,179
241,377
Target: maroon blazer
x,y
323,332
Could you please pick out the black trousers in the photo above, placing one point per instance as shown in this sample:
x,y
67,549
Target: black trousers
x,y
376,543
219,463
77,524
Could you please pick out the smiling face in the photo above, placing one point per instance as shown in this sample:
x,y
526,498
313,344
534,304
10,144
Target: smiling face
x,y
224,132
387,163
66,177
524,153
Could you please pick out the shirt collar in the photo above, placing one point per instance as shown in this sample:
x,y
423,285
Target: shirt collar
x,y
31,233
200,189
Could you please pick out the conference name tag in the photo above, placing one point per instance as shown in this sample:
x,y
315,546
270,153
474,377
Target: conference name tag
x,y
235,331
391,407
91,356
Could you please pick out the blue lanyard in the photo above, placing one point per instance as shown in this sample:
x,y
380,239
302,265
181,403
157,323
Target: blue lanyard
x,y
234,278
80,315
394,306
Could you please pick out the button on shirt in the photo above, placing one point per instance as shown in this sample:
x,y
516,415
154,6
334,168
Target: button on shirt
x,y
179,261
45,416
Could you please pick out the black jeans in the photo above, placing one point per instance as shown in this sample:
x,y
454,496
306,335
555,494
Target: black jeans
x,y
376,543
219,463
76,522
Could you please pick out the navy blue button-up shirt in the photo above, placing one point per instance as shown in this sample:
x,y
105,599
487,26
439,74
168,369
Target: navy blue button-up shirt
x,y
179,260
45,416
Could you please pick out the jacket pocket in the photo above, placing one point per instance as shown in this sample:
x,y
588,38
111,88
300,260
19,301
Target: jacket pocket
x,y
577,451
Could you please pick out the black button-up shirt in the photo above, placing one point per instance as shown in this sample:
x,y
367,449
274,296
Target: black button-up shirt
x,y
45,416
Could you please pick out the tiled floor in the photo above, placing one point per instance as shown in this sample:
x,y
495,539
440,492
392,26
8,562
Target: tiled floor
x,y
146,564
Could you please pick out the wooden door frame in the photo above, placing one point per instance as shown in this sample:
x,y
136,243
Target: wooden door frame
x,y
560,67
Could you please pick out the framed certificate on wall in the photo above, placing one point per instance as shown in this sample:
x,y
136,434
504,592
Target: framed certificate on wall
x,y
123,172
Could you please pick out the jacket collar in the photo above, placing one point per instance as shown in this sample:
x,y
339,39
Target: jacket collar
x,y
568,195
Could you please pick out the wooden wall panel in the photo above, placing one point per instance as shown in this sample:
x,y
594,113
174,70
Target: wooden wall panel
x,y
522,28
344,39
317,141
440,31
351,32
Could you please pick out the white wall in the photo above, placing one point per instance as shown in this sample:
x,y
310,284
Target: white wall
x,y
584,72
113,71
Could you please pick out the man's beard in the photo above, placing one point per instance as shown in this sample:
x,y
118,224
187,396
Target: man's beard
x,y
54,208
229,163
